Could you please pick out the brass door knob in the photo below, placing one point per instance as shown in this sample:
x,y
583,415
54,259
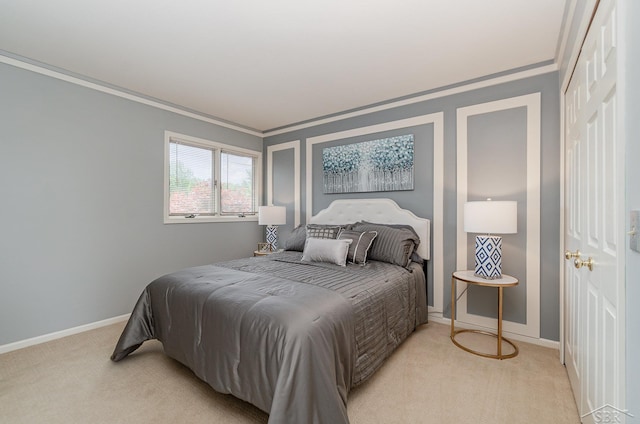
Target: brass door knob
x,y
570,255
578,263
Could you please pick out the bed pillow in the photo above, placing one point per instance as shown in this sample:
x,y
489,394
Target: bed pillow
x,y
323,231
394,244
417,258
296,239
406,226
326,250
361,242
298,236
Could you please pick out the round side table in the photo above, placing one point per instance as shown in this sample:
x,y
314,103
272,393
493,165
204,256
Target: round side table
x,y
469,278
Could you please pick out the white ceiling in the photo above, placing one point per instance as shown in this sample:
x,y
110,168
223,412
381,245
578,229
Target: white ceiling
x,y
266,64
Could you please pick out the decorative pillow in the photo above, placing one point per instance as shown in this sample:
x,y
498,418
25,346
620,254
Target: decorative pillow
x,y
323,231
417,258
296,239
298,236
326,250
393,245
406,226
360,243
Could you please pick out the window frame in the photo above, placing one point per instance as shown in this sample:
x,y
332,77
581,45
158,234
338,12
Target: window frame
x,y
217,147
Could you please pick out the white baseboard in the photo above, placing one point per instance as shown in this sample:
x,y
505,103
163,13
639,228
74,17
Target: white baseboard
x,y
536,341
60,334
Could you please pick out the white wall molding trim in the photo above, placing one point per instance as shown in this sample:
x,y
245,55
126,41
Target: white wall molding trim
x,y
570,11
532,104
435,95
119,93
391,105
295,145
60,334
437,232
585,21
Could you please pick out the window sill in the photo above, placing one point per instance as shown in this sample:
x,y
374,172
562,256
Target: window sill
x,y
205,219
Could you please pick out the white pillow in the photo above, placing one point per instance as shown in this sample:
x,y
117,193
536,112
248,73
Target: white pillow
x,y
326,250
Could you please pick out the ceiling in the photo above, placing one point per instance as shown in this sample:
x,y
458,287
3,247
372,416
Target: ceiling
x,y
268,64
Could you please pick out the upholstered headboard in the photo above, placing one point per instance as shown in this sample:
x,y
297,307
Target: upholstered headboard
x,y
380,211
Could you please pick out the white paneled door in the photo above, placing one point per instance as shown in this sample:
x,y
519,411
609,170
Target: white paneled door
x,y
594,213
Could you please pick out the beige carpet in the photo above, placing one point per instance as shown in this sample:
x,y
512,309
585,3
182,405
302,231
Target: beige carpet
x,y
428,380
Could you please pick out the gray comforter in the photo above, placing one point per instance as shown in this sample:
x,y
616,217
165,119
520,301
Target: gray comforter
x,y
292,338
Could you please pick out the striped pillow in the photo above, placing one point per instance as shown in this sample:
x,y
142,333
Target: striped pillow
x,y
393,245
296,239
361,242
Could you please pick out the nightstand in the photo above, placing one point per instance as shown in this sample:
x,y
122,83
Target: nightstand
x,y
469,278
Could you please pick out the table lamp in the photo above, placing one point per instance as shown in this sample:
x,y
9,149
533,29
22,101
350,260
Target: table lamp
x,y
489,217
272,216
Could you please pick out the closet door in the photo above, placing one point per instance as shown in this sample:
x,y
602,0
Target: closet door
x,y
573,230
594,212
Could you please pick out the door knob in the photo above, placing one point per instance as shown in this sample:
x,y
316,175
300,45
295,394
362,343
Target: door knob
x,y
578,263
569,254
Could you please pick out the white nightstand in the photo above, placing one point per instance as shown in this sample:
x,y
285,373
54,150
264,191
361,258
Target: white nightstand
x,y
469,278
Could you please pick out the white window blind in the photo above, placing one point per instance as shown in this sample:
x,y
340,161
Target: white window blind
x,y
192,183
207,181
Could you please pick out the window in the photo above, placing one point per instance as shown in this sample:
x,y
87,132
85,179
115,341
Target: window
x,y
209,181
237,176
191,179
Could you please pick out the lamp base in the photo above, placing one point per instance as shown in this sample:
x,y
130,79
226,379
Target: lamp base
x,y
488,257
272,237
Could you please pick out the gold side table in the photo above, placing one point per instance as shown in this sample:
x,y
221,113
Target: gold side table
x,y
469,278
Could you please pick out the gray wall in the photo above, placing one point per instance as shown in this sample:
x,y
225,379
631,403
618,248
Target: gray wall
x,y
283,177
632,133
419,200
81,183
505,184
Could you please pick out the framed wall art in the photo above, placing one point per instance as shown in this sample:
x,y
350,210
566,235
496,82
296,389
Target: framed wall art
x,y
377,165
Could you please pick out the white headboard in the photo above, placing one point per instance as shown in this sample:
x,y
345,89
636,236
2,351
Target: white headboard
x,y
380,211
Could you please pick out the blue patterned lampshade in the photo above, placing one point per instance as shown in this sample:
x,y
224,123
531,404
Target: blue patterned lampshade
x,y
272,216
489,217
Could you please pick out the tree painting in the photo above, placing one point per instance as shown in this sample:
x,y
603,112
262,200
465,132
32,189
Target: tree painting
x,y
378,165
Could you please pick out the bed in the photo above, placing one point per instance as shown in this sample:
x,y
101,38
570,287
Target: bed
x,y
294,331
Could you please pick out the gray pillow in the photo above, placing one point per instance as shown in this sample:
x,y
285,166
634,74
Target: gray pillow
x,y
298,236
406,226
417,258
393,245
326,250
296,239
361,242
323,231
